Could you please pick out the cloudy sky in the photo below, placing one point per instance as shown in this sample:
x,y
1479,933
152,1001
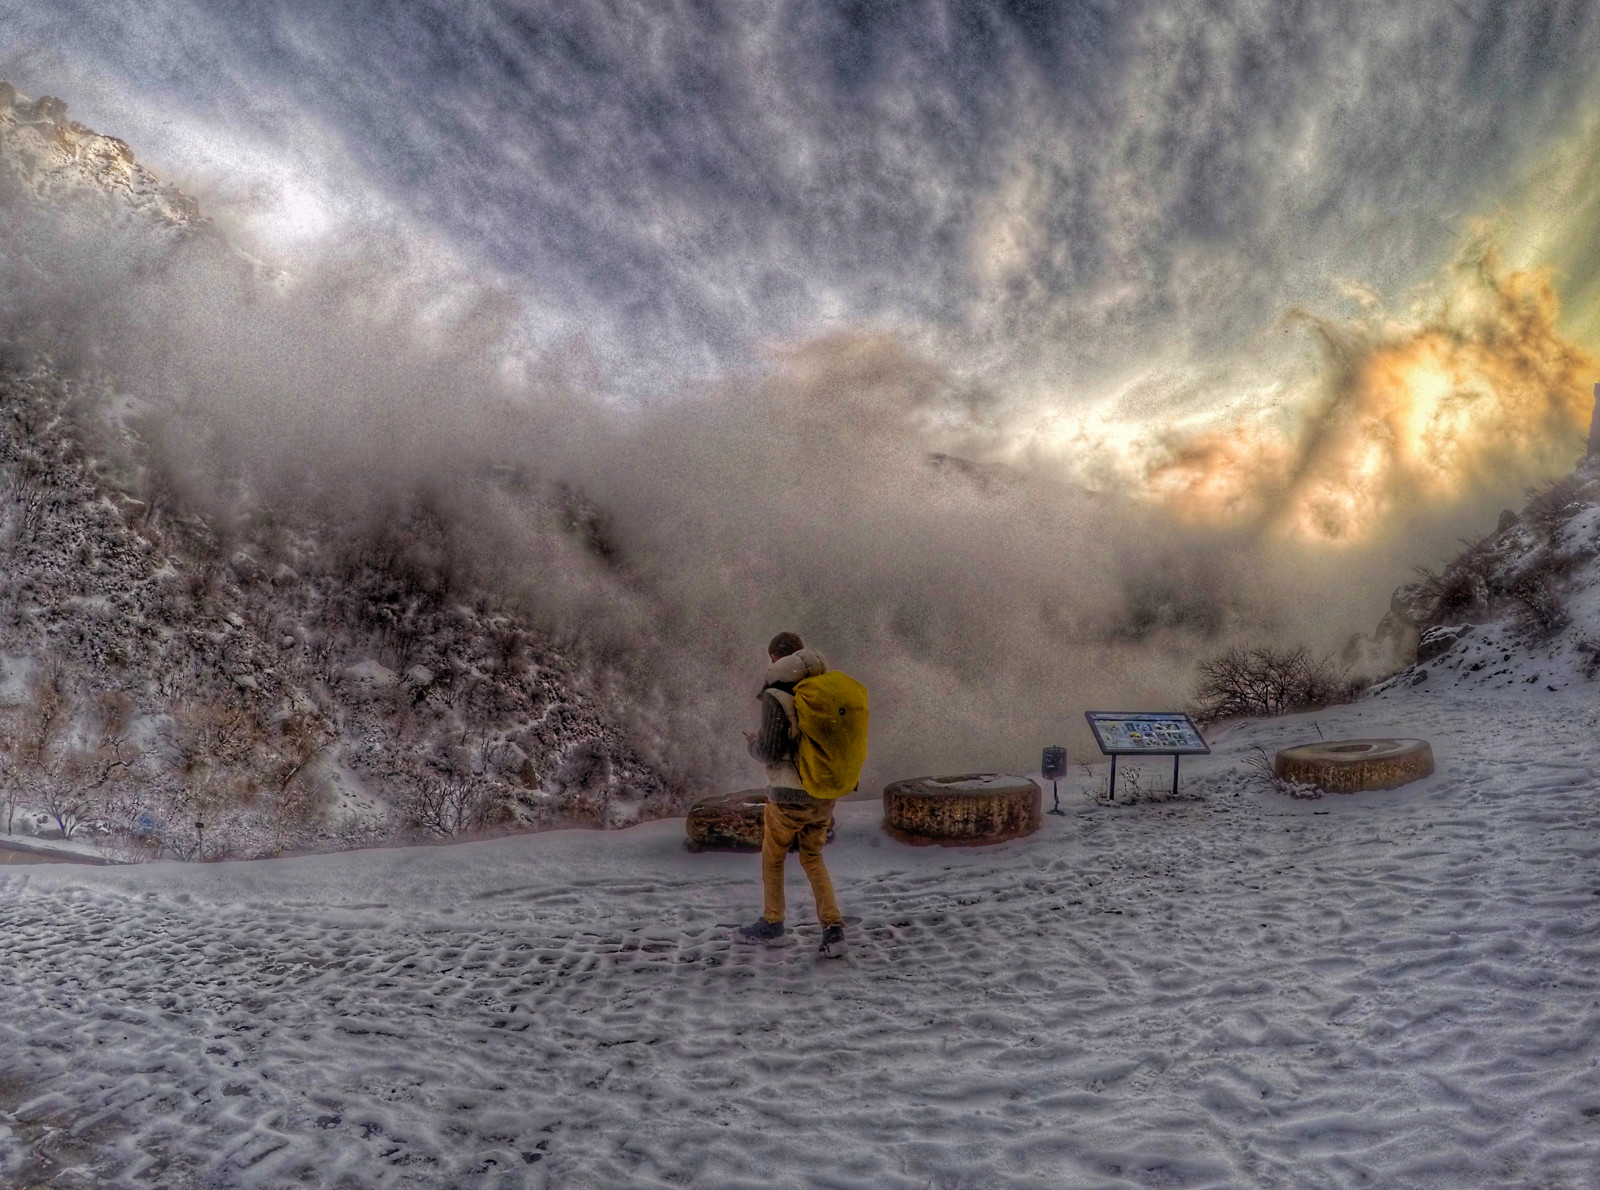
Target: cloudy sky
x,y
1101,212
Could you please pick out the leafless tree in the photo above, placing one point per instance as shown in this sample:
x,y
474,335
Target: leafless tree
x,y
297,794
1265,681
35,754
449,805
101,772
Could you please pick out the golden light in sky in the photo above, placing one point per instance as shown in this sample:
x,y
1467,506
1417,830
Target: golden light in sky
x,y
1476,381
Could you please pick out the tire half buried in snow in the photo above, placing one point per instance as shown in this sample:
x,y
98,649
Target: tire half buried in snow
x,y
1353,766
975,808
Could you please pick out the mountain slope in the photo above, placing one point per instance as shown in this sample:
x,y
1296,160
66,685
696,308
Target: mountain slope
x,y
290,657
1519,608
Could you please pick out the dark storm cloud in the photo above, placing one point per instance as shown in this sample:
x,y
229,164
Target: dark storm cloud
x,y
679,181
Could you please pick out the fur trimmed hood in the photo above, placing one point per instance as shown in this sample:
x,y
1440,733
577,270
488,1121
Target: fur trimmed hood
x,y
786,671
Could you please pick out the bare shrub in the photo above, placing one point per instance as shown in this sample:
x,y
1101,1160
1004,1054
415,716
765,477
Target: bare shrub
x,y
207,736
1460,592
446,806
1551,505
1261,777
36,755
298,795
130,833
1536,595
10,771
71,782
1589,649
1132,789
1261,682
216,753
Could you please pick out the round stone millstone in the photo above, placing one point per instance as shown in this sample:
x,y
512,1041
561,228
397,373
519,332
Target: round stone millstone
x,y
727,821
1353,766
730,822
971,809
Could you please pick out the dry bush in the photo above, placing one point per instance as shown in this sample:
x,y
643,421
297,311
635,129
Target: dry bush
x,y
11,777
209,736
299,793
1132,789
1460,592
1261,682
1260,776
446,806
75,784
1589,649
36,753
1535,592
1551,505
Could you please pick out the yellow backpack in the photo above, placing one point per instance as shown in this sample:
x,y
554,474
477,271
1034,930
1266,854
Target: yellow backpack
x,y
831,712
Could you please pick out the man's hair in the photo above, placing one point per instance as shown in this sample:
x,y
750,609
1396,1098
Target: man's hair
x,y
784,644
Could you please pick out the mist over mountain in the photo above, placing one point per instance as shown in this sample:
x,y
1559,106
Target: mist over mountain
x,y
316,509
569,384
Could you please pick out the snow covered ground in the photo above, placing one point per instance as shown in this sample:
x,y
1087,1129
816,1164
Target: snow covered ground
x,y
1382,990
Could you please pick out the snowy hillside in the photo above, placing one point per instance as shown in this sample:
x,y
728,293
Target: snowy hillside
x,y
1519,608
294,663
1392,990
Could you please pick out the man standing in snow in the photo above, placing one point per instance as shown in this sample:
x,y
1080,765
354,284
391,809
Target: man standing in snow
x,y
791,813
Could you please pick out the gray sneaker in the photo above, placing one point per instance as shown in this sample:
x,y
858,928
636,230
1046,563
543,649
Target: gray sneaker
x,y
833,943
761,930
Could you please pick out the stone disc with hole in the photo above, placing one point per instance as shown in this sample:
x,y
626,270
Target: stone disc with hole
x,y
970,809
727,821
730,822
1351,766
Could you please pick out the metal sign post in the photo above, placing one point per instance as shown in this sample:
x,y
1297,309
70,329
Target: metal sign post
x,y
1146,733
1054,766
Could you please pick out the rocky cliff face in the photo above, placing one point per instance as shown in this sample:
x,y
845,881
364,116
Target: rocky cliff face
x,y
52,159
268,666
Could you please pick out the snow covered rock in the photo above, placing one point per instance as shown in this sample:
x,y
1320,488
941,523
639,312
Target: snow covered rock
x,y
244,567
1440,639
369,677
52,158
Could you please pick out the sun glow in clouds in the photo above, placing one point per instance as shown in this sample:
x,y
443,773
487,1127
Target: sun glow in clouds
x,y
1406,413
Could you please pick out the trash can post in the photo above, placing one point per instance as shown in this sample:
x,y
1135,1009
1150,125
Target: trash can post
x,y
1053,764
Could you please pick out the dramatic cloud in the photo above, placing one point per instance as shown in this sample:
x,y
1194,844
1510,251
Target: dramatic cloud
x,y
1051,191
1476,390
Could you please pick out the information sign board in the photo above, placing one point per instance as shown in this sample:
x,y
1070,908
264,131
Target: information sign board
x,y
1136,733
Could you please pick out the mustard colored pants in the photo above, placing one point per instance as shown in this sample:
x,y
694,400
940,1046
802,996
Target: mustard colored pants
x,y
782,824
